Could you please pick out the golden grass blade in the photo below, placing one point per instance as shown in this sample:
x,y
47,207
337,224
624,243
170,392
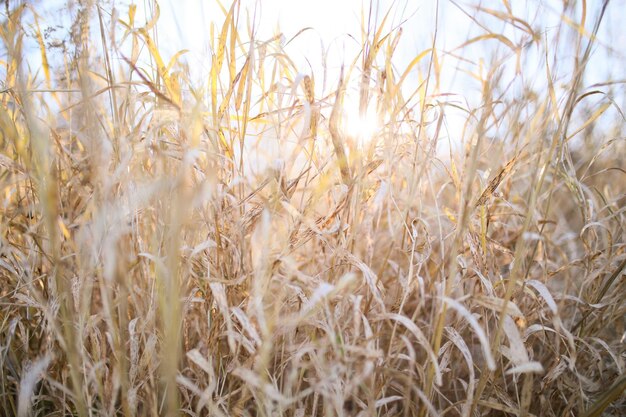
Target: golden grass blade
x,y
336,136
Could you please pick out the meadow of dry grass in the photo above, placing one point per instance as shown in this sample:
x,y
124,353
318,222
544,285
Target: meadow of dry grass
x,y
149,266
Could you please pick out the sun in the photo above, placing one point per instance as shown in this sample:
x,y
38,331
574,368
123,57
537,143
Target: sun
x,y
363,128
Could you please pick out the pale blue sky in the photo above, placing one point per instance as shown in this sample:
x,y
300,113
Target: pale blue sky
x,y
185,24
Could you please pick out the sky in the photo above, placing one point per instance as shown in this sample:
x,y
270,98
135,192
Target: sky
x,y
333,22
336,29
335,25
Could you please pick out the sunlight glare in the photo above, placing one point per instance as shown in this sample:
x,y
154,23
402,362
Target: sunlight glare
x,y
362,129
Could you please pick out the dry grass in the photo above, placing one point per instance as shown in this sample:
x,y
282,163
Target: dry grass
x,y
148,267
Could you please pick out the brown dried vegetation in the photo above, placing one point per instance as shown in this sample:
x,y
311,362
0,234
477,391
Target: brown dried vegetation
x,y
144,270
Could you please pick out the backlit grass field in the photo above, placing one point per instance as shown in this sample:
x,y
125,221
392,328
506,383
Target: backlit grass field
x,y
442,235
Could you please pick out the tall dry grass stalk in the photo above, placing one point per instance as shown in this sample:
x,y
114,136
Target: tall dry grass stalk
x,y
151,263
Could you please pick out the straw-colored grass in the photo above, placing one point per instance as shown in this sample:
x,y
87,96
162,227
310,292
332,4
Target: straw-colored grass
x,y
154,262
